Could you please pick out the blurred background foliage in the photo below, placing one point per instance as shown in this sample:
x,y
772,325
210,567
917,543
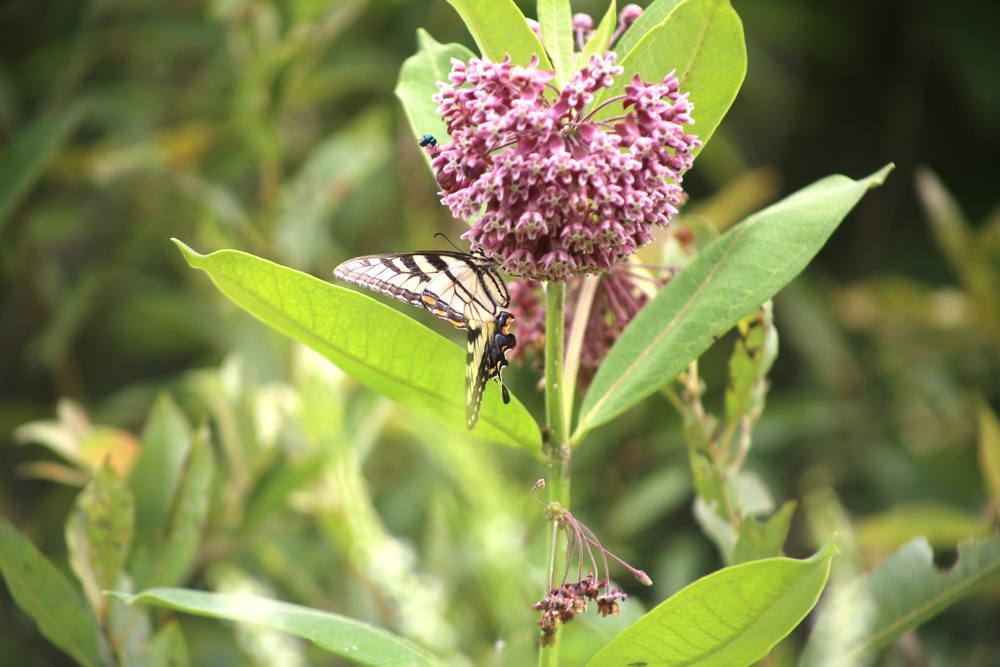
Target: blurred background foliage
x,y
271,127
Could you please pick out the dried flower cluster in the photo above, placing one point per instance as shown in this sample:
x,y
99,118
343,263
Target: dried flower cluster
x,y
562,603
554,189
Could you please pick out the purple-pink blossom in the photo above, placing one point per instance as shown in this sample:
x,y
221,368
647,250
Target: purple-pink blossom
x,y
554,190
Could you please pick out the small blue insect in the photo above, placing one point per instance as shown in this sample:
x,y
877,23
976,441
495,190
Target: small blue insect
x,y
428,140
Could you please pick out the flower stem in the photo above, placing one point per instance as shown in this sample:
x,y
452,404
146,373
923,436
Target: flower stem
x,y
557,420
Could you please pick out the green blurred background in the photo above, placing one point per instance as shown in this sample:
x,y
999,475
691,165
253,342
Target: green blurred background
x,y
271,127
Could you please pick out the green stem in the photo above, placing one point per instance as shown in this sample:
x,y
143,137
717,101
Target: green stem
x,y
557,448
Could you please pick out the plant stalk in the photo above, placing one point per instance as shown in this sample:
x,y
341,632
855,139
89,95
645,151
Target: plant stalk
x,y
557,444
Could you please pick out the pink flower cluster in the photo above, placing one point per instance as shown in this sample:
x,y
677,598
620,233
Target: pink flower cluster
x,y
554,191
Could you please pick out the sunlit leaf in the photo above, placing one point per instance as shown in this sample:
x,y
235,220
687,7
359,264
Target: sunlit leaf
x,y
555,19
157,471
44,594
417,84
601,39
359,642
500,29
377,345
167,561
703,41
727,619
734,275
651,16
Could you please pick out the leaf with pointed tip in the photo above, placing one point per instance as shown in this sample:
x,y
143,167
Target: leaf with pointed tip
x,y
601,39
352,639
731,277
377,345
417,83
703,41
500,29
44,594
555,20
728,619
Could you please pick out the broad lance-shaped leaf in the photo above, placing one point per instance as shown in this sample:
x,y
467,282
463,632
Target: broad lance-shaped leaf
x,y
601,39
651,16
903,592
166,441
166,561
728,619
360,642
417,84
555,20
375,344
43,593
703,41
500,29
731,277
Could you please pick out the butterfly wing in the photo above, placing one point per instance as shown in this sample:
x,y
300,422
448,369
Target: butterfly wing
x,y
457,287
486,357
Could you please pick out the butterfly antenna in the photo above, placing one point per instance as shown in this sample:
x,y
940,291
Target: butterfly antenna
x,y
445,237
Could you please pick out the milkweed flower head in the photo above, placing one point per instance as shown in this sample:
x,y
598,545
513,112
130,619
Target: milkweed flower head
x,y
555,186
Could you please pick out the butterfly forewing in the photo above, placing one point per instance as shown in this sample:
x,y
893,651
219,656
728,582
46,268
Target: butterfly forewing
x,y
454,286
463,289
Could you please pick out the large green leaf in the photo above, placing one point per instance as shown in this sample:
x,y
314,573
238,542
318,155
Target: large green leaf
x,y
649,19
357,641
500,29
727,619
167,560
377,345
418,79
903,592
731,277
555,20
44,594
25,155
703,41
157,472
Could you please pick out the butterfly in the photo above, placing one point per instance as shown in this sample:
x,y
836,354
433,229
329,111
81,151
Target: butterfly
x,y
461,288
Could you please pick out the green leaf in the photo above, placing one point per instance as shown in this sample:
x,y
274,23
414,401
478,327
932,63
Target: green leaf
x,y
417,83
555,18
352,639
989,450
703,41
600,41
500,29
732,276
749,364
652,16
168,560
168,648
99,534
157,471
378,346
44,594
25,155
904,591
763,539
727,619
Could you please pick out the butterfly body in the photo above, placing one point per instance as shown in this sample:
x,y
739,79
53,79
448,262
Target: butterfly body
x,y
465,290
